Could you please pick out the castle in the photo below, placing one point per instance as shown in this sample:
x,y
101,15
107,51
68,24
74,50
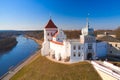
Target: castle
x,y
57,46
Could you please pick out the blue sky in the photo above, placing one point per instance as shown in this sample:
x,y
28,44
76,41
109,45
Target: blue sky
x,y
66,14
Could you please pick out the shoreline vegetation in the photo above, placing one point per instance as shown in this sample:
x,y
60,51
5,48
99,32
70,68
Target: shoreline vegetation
x,y
7,44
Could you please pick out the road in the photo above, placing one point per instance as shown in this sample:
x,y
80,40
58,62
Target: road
x,y
106,70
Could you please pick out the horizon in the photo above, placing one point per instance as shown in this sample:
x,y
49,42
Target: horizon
x,y
66,14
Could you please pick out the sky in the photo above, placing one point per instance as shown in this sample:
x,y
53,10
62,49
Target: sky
x,y
66,14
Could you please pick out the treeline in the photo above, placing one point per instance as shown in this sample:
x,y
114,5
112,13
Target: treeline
x,y
36,34
73,34
7,43
6,34
117,33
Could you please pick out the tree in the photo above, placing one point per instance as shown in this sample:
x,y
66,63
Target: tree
x,y
117,33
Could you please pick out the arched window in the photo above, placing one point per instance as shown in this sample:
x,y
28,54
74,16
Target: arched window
x,y
88,39
74,47
79,47
110,51
74,54
78,54
110,45
89,46
51,34
61,33
115,45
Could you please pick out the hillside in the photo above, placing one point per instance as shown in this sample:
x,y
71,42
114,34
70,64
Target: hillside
x,y
43,69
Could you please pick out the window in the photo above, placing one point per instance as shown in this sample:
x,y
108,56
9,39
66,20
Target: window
x,y
78,54
74,54
79,47
115,45
88,39
110,51
89,46
60,32
74,47
110,45
51,34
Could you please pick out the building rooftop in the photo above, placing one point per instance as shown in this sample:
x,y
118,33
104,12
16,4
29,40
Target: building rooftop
x,y
50,24
108,39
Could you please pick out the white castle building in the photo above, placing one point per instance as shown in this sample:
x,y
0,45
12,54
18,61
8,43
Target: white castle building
x,y
57,46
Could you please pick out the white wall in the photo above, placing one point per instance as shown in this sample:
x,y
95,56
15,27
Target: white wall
x,y
101,49
76,58
50,31
45,48
59,50
67,48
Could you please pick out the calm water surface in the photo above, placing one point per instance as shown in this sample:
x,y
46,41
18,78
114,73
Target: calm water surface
x,y
24,48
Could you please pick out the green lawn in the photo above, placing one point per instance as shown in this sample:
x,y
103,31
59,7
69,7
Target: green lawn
x,y
43,69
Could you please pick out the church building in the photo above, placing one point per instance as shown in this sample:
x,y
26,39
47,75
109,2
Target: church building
x,y
57,46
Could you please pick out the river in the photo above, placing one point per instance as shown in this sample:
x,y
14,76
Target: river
x,y
24,49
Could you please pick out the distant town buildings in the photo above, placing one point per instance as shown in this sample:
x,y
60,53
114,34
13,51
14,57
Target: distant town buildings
x,y
113,43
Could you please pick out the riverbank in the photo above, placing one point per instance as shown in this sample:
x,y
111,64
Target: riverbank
x,y
36,40
27,61
7,44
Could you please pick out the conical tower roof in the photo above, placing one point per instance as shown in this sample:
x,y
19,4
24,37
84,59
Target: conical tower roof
x,y
50,24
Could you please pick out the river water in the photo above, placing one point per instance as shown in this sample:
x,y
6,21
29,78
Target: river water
x,y
24,49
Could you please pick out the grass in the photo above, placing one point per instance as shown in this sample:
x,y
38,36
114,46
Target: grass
x,y
116,63
43,69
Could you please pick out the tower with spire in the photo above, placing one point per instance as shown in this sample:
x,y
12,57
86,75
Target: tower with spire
x,y
49,30
87,34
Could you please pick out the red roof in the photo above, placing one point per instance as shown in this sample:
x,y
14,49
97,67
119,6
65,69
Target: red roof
x,y
59,43
50,24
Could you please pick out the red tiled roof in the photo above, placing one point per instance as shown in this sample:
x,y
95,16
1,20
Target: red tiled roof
x,y
50,24
59,43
